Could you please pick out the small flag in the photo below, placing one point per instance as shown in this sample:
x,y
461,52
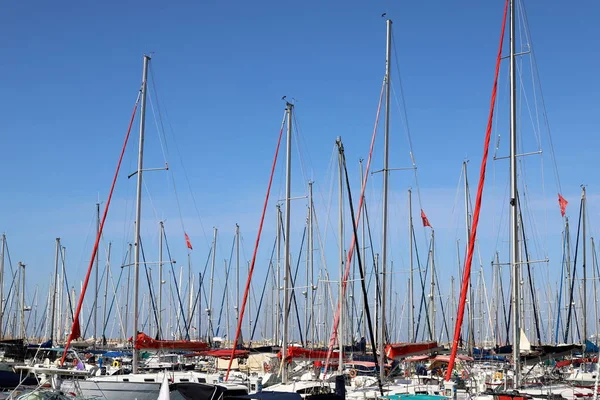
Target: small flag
x,y
187,241
425,220
562,202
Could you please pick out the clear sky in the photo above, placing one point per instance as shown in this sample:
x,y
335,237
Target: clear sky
x,y
70,72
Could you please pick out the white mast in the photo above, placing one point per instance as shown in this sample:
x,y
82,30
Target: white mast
x,y
278,278
583,207
97,267
160,278
411,307
386,156
286,248
210,293
514,234
53,307
138,216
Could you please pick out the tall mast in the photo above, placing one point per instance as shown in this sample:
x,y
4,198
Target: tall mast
x,y
190,294
138,216
386,156
96,283
237,278
311,261
411,306
106,294
2,284
160,278
363,252
471,336
583,206
514,234
286,248
432,295
341,254
278,278
23,333
594,266
60,328
210,292
53,309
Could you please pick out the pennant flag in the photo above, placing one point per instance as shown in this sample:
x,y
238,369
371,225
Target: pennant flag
x,y
425,220
187,241
562,202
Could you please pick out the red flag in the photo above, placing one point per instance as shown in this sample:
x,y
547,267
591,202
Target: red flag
x,y
425,220
562,202
187,241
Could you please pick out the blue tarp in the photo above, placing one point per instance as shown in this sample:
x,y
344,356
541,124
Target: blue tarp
x,y
591,347
114,354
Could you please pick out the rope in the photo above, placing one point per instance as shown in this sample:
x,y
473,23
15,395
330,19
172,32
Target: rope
x,y
473,236
75,329
253,263
155,91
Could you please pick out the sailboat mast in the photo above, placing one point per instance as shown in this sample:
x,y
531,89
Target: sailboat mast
x,y
514,234
386,157
138,217
53,307
432,295
411,307
237,278
160,278
286,248
97,267
311,263
23,333
583,206
340,333
471,336
210,292
278,278
105,310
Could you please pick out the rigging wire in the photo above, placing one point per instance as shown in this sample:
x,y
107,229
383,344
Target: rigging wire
x,y
185,174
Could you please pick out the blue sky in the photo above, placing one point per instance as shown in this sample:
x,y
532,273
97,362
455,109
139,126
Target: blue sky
x,y
70,72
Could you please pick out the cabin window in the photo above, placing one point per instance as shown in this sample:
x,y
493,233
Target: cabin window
x,y
148,380
125,380
201,380
184,380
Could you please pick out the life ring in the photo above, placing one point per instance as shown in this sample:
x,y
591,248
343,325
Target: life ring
x,y
464,374
116,364
353,373
267,367
498,376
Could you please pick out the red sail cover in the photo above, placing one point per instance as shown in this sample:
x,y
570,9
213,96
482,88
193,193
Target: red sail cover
x,y
144,341
299,352
397,351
